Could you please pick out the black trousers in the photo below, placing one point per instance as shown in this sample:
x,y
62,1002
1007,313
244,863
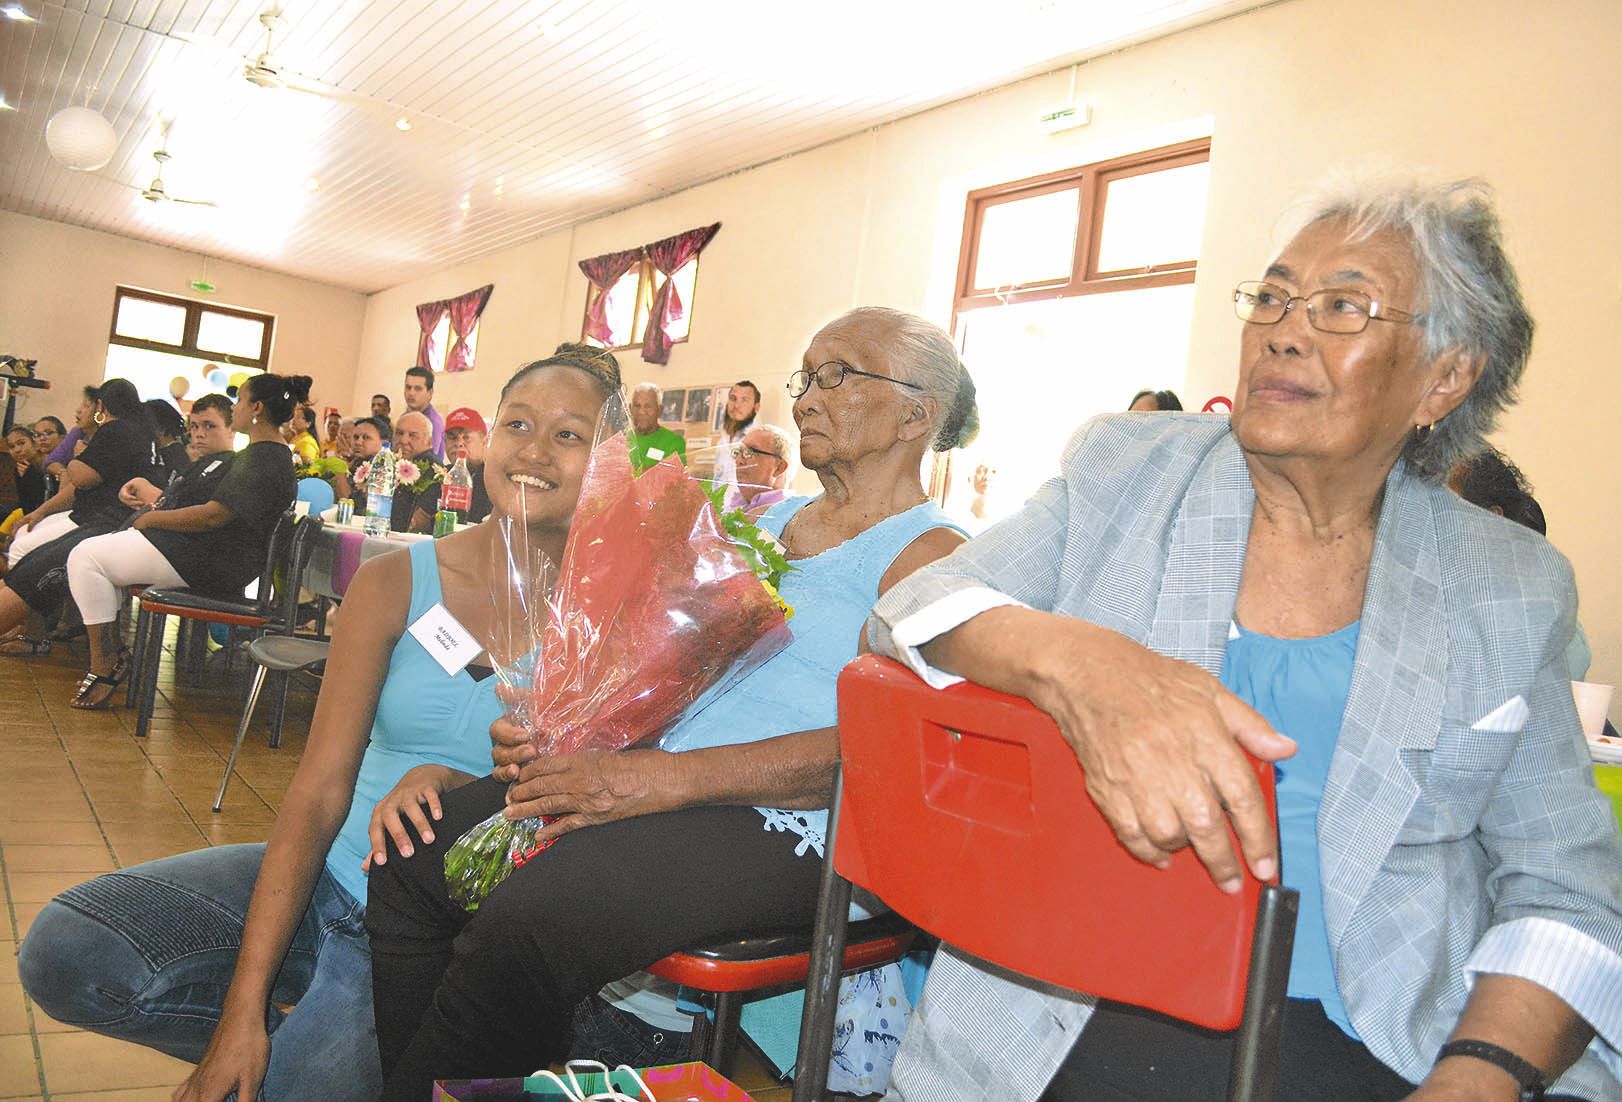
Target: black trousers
x,y
459,996
1127,1054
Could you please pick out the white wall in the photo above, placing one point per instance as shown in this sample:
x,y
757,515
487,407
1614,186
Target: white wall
x,y
1523,95
56,306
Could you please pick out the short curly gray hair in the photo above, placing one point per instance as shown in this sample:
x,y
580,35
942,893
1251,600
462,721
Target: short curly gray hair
x,y
1471,298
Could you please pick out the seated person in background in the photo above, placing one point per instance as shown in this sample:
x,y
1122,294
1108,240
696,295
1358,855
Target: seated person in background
x,y
649,440
493,993
332,422
344,444
56,460
299,433
465,433
30,475
48,435
416,503
1152,401
208,531
760,465
123,446
366,440
1490,480
1188,586
172,437
198,955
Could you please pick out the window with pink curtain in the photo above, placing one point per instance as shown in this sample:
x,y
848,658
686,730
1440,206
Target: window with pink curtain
x,y
667,257
455,322
603,272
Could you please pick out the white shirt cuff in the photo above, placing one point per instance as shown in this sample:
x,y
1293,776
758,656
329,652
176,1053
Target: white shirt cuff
x,y
1577,968
937,619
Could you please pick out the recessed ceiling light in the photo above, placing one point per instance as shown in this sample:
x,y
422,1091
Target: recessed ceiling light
x,y
312,184
16,14
4,106
466,204
402,124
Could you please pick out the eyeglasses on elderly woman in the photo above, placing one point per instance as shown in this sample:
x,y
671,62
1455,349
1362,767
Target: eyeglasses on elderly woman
x,y
831,374
1329,311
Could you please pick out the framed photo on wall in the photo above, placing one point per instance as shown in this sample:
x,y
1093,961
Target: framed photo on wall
x,y
670,409
718,404
698,405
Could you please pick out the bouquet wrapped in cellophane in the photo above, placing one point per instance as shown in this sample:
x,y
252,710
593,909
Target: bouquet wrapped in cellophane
x,y
661,602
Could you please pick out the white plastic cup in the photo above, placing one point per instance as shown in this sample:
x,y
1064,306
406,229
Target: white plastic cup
x,y
301,508
1593,702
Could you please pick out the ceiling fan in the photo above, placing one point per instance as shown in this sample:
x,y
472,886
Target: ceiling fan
x,y
155,192
263,70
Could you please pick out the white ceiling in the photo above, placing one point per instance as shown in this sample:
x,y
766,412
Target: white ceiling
x,y
526,116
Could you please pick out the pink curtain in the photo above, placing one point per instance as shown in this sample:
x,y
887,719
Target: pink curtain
x,y
669,256
603,272
464,311
428,315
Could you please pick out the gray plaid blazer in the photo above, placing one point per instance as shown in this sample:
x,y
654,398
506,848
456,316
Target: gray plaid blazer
x,y
1460,821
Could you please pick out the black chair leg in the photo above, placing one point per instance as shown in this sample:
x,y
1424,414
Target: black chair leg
x,y
149,671
827,963
278,708
723,1051
1254,1074
143,624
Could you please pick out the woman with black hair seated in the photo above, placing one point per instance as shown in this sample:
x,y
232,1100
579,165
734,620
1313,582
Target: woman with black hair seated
x,y
122,446
171,433
208,531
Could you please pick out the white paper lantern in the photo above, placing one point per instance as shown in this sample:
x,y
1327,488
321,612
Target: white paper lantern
x,y
80,139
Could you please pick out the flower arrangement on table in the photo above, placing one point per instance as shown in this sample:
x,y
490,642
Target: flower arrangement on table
x,y
327,469
418,478
663,600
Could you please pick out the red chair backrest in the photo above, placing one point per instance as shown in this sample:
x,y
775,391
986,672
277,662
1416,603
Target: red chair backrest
x,y
965,811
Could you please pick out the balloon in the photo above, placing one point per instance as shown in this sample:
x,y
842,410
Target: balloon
x,y
178,386
216,376
238,378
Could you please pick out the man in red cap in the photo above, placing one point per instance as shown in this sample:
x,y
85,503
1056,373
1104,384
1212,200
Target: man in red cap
x,y
465,431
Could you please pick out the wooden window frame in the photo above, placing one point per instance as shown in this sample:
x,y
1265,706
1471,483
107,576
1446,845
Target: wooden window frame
x,y
1091,183
195,309
646,287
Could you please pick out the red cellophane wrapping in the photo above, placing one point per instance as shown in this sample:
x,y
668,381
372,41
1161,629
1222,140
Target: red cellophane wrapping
x,y
653,611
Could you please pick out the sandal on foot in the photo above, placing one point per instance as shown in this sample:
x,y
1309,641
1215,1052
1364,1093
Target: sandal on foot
x,y
60,634
85,697
24,647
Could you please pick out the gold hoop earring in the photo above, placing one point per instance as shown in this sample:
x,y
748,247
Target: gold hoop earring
x,y
1422,433
100,418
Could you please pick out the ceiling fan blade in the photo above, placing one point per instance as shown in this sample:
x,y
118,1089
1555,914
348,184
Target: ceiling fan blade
x,y
298,82
193,202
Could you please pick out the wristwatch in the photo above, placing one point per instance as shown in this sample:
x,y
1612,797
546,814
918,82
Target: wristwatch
x,y
1529,1077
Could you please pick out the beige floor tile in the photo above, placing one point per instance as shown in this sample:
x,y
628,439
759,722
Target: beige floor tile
x,y
76,809
137,853
182,832
50,834
42,887
79,858
8,960
13,1010
87,1062
165,809
135,1094
19,1077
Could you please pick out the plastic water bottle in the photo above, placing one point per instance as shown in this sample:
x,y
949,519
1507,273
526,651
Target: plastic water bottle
x,y
457,492
380,483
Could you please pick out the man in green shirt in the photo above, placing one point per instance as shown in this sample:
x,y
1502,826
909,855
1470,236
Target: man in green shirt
x,y
650,442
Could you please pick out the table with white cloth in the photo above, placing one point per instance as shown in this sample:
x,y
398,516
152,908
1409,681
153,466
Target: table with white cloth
x,y
341,548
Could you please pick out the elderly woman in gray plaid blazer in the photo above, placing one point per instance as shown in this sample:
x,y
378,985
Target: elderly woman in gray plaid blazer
x,y
1190,586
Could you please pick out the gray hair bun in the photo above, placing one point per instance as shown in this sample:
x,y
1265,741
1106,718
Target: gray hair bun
x,y
962,421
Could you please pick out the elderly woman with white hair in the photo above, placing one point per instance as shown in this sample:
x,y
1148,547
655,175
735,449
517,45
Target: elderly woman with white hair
x,y
1189,588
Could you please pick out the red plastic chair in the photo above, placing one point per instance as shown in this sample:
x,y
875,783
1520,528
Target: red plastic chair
x,y
966,812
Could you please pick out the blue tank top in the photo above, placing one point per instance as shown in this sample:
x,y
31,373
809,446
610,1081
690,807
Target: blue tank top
x,y
1300,687
423,715
832,595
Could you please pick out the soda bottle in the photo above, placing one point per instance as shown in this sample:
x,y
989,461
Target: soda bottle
x,y
380,483
457,492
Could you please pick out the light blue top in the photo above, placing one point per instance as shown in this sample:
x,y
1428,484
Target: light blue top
x,y
423,715
1300,687
832,595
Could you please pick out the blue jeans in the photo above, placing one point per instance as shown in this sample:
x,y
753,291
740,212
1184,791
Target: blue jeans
x,y
146,954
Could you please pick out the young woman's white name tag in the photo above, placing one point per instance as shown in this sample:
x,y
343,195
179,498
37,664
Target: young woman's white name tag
x,y
446,640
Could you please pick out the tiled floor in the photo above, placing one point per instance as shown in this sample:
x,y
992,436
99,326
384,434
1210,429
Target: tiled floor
x,y
79,795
